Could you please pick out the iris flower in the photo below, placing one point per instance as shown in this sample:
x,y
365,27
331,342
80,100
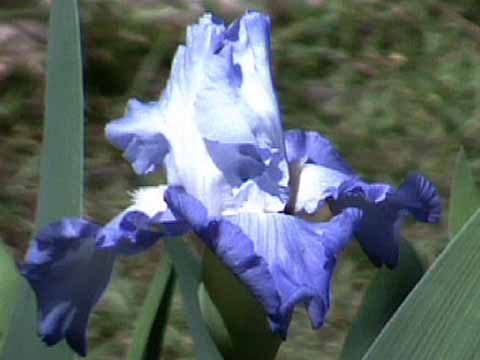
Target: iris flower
x,y
236,180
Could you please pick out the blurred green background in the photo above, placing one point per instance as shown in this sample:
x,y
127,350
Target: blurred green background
x,y
395,84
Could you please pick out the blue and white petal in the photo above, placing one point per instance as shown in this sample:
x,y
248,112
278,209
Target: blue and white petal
x,y
305,146
141,225
301,256
172,122
284,260
236,110
70,262
68,274
247,120
317,183
384,209
140,134
217,124
317,170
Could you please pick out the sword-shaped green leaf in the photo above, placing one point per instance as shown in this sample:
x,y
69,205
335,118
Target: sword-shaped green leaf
x,y
9,286
464,195
440,318
385,294
152,321
61,180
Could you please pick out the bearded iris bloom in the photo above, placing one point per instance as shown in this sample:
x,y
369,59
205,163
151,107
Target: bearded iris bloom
x,y
236,180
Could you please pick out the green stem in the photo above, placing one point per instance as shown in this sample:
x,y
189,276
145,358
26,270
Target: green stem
x,y
236,320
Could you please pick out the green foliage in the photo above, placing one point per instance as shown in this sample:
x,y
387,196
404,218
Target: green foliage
x,y
236,320
61,186
189,279
464,195
151,324
9,286
439,320
385,294
464,201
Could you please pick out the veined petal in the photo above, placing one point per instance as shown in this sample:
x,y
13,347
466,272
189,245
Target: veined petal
x,y
249,197
141,225
227,241
384,208
283,260
68,274
300,255
420,198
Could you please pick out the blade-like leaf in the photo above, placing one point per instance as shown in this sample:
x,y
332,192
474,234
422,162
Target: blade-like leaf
x,y
464,195
386,293
9,286
236,320
188,271
439,319
151,325
61,181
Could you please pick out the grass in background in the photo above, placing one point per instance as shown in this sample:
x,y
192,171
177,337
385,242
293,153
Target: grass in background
x,y
396,85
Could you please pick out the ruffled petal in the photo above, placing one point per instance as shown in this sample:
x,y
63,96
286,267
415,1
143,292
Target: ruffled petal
x,y
171,123
240,117
300,255
140,135
70,262
420,198
227,241
217,124
141,225
68,274
384,208
283,260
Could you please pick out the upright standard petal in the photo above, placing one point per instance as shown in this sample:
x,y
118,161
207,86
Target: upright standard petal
x,y
166,132
217,125
283,260
242,122
68,274
384,208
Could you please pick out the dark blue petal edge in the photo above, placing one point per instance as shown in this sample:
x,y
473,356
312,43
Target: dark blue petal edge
x,y
295,268
384,209
68,274
70,262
